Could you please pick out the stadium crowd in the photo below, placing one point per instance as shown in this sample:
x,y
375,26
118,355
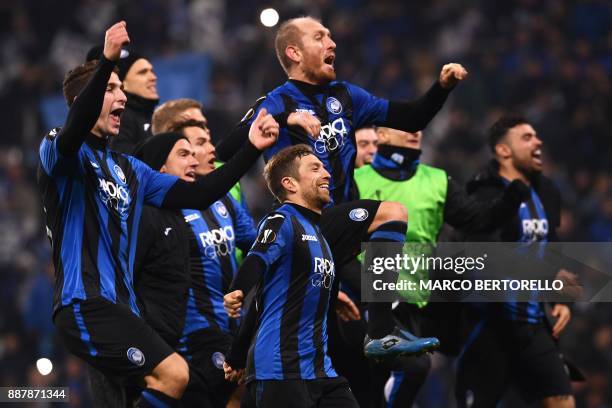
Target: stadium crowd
x,y
548,60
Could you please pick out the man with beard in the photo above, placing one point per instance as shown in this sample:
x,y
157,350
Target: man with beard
x,y
92,200
314,109
140,86
514,336
287,363
432,199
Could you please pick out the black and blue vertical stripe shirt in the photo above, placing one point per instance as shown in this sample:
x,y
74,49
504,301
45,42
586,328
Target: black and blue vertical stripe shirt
x,y
215,233
290,340
92,203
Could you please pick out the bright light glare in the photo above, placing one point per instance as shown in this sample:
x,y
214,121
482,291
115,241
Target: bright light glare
x,y
44,366
269,17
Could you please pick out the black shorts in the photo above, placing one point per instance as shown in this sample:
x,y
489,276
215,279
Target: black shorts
x,y
205,352
320,393
345,227
502,353
112,339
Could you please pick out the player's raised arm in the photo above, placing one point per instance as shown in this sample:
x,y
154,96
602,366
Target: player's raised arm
x,y
414,115
206,190
85,108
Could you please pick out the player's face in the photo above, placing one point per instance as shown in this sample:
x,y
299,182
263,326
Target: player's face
x,y
400,138
203,149
181,161
318,52
367,145
141,80
526,148
113,106
313,182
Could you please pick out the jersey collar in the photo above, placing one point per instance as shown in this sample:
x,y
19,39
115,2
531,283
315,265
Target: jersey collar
x,y
95,142
309,214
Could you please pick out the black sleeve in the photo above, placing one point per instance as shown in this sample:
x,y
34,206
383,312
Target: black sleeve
x,y
236,356
249,273
415,115
85,110
470,215
206,190
231,143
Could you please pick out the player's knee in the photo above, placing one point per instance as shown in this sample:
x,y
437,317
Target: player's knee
x,y
391,211
170,376
559,401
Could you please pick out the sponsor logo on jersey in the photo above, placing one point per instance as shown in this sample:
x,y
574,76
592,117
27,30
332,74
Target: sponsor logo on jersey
x,y
266,237
218,242
331,137
358,214
221,209
323,273
192,217
146,126
136,356
306,237
535,229
167,231
333,105
119,173
305,110
113,195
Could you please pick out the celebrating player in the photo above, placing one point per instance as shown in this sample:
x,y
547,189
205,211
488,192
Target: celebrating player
x,y
313,108
514,336
287,361
93,199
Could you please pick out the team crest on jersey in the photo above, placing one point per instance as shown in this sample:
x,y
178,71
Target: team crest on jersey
x,y
267,237
358,214
136,356
218,359
119,173
333,105
220,207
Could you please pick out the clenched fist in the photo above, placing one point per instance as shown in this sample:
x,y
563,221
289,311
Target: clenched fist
x,y
264,130
306,121
451,74
115,38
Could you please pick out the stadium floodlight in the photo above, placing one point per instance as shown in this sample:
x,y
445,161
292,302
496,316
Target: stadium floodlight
x,y
44,366
269,17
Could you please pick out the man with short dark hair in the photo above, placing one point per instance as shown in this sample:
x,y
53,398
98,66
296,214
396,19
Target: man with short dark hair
x,y
93,199
313,108
514,336
140,86
287,361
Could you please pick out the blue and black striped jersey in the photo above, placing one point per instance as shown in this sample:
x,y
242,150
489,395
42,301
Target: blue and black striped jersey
x,y
533,227
93,203
290,340
214,235
342,108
